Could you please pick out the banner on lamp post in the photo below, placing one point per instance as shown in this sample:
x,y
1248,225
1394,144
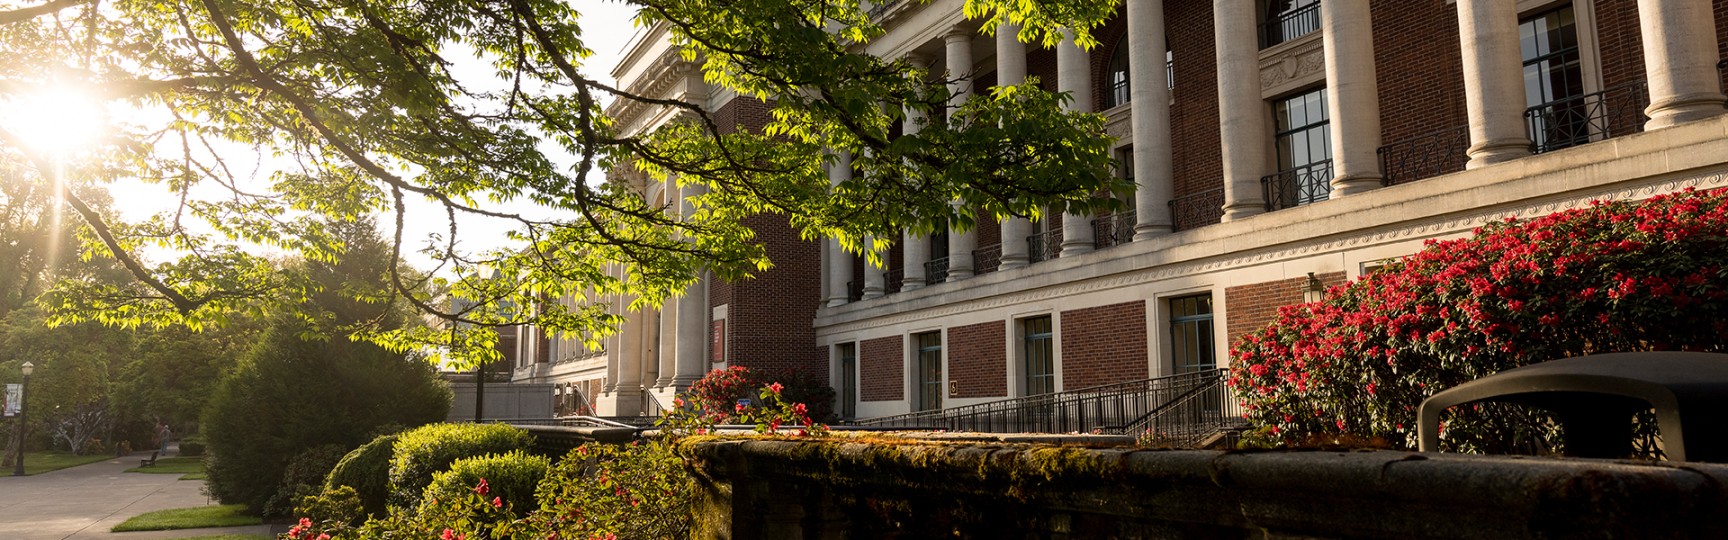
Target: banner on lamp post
x,y
14,398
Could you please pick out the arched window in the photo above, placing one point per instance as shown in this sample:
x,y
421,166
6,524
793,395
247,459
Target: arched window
x,y
1116,80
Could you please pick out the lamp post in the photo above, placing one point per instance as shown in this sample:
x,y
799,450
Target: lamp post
x,y
23,408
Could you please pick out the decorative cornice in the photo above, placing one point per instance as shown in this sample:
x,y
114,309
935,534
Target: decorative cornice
x,y
1291,66
1427,228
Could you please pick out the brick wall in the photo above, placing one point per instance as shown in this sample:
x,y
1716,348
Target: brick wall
x,y
1103,345
1617,37
882,366
1252,307
977,360
1420,71
1194,138
1721,9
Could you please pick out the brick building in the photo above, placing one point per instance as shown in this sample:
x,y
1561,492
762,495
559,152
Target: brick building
x,y
1277,146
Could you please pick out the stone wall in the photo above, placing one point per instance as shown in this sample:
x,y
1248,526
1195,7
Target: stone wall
x,y
782,489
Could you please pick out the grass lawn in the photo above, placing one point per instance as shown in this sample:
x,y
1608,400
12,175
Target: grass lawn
x,y
41,462
231,537
174,465
197,517
195,476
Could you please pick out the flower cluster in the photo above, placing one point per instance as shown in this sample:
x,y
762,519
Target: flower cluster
x,y
1616,276
720,396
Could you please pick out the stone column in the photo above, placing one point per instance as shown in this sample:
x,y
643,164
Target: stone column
x,y
650,333
839,260
1074,76
958,42
875,283
1011,71
1680,57
667,358
625,398
693,313
1149,91
1241,112
1353,98
1493,81
917,246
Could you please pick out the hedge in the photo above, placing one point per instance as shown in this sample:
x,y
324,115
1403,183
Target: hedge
x,y
366,470
509,478
424,451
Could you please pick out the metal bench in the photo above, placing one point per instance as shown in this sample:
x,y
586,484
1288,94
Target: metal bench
x,y
1594,397
149,461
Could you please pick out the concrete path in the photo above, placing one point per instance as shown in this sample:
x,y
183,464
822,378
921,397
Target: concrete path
x,y
84,502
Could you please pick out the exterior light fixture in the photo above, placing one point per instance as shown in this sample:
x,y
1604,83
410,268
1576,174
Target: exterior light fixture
x,y
18,467
1313,290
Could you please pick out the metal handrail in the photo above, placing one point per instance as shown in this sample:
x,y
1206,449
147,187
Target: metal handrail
x,y
1424,156
1297,186
987,259
893,281
1289,26
1044,246
651,407
1113,408
936,271
1576,120
854,290
1115,229
1198,209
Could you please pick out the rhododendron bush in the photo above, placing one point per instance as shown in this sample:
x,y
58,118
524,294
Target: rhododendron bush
x,y
1616,276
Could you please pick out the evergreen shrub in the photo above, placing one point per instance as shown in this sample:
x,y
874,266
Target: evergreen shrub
x,y
503,478
366,471
421,452
1612,277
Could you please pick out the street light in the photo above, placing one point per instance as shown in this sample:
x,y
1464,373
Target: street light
x,y
23,395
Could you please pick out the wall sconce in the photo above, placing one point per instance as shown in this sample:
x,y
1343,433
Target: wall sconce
x,y
1313,290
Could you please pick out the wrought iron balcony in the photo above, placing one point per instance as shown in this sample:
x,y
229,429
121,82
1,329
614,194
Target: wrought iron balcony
x,y
1581,119
893,280
987,259
1290,25
1424,156
1196,210
936,271
1044,246
1114,230
1290,188
854,291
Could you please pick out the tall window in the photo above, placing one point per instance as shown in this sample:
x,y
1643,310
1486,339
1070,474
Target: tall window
x,y
1039,355
1554,80
1191,346
848,353
1304,141
1117,89
1288,19
927,382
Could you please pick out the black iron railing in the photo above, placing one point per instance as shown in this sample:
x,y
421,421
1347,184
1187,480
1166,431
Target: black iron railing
x,y
893,280
1290,188
1185,407
1578,120
1044,246
1114,230
1196,210
854,291
987,259
1425,156
1290,25
936,271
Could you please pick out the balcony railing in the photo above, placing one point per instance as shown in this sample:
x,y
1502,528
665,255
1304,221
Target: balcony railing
x,y
1290,25
1295,187
1176,409
854,290
1590,117
987,259
1425,156
894,280
1045,245
1196,210
936,271
1114,230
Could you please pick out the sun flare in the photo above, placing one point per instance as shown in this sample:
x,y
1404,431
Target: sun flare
x,y
56,120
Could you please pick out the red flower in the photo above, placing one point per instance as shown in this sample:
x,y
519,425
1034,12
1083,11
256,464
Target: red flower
x,y
775,388
482,488
497,502
449,535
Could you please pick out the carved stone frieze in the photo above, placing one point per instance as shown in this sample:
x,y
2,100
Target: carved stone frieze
x,y
1293,65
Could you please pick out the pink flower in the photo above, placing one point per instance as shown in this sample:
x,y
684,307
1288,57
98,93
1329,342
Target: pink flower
x,y
775,388
497,502
483,488
449,535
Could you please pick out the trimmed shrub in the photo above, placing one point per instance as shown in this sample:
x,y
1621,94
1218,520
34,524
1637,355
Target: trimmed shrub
x,y
366,471
192,447
303,477
421,452
718,392
1614,277
632,491
503,478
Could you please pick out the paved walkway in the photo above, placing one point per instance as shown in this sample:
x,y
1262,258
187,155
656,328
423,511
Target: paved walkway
x,y
84,502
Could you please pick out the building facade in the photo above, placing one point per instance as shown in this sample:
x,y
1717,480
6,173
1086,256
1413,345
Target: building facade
x,y
1278,147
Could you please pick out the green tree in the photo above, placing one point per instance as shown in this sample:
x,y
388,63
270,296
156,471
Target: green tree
x,y
76,369
361,104
300,389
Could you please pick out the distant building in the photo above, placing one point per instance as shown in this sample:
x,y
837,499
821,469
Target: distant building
x,y
1278,147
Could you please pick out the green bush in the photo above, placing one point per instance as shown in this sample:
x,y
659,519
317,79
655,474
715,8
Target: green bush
x,y
421,452
303,477
718,392
632,491
331,509
366,471
509,478
1614,277
192,447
